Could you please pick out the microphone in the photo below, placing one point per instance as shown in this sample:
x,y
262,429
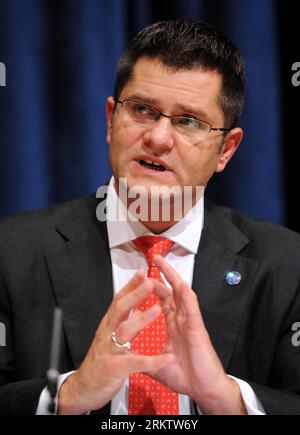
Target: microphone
x,y
53,372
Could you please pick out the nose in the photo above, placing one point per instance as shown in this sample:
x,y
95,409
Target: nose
x,y
160,136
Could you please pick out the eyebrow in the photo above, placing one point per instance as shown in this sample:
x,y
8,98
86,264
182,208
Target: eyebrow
x,y
181,107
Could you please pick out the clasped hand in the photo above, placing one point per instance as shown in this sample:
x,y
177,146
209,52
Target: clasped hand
x,y
188,365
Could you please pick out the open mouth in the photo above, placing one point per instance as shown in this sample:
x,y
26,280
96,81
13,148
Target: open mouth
x,y
151,165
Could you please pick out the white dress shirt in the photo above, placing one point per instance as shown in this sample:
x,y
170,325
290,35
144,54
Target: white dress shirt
x,y
126,260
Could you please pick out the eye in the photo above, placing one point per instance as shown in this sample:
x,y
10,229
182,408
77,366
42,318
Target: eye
x,y
188,122
142,109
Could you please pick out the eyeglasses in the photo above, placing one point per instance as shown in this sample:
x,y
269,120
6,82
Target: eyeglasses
x,y
191,129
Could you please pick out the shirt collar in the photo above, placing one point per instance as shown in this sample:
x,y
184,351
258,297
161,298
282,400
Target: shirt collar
x,y
186,232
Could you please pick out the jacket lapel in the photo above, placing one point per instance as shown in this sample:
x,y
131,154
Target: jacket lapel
x,y
222,305
81,275
80,272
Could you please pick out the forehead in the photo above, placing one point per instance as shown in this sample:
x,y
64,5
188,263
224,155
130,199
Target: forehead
x,y
197,88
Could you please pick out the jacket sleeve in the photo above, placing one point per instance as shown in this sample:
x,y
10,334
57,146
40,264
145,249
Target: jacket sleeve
x,y
282,395
15,397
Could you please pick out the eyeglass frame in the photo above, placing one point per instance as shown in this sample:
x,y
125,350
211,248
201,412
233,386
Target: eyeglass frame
x,y
171,117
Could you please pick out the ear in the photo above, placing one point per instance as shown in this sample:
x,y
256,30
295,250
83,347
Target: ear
x,y
232,140
110,104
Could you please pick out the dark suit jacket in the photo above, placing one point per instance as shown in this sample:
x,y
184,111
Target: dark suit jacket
x,y
60,256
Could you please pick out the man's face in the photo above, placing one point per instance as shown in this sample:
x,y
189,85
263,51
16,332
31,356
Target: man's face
x,y
185,92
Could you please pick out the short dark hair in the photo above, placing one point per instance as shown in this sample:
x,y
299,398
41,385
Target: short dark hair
x,y
188,44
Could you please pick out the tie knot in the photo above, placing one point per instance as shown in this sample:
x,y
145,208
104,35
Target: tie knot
x,y
150,245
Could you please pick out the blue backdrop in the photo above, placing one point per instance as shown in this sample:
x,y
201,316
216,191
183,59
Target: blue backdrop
x,y
60,58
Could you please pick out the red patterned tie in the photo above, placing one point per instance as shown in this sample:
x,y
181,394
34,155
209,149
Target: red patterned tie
x,y
147,396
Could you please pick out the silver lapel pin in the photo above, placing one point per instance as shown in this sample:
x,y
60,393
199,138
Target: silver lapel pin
x,y
233,277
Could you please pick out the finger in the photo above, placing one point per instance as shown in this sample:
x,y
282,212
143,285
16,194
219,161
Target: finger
x,y
174,333
142,363
192,309
120,308
132,284
175,280
128,329
164,293
170,274
167,309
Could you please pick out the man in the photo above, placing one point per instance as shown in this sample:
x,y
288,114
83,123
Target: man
x,y
230,294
